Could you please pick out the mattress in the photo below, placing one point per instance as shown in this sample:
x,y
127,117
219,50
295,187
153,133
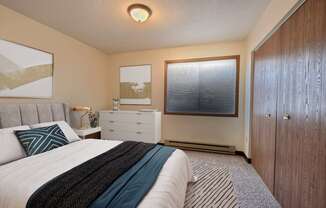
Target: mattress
x,y
20,179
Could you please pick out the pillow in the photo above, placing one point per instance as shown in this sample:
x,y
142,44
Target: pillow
x,y
39,140
67,130
10,148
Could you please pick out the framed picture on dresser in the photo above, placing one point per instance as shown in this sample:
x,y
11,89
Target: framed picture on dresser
x,y
136,85
25,72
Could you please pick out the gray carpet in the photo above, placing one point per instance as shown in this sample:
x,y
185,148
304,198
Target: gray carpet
x,y
249,190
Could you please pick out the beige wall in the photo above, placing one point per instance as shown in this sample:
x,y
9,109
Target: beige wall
x,y
85,76
81,75
215,130
270,18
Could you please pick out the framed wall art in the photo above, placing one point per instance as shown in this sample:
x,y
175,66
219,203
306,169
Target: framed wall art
x,y
24,71
135,85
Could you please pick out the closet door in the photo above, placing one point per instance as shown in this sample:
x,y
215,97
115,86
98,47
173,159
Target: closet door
x,y
257,143
300,171
267,64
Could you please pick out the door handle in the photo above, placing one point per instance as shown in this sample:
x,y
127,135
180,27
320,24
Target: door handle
x,y
286,116
268,115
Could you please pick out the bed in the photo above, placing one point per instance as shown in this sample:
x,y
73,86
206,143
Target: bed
x,y
21,179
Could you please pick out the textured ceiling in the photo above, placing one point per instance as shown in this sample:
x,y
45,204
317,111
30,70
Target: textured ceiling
x,y
105,24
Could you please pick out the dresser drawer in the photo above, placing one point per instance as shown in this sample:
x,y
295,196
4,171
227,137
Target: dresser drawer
x,y
113,134
118,125
110,134
128,117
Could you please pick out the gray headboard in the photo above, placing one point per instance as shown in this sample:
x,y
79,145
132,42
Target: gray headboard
x,y
27,114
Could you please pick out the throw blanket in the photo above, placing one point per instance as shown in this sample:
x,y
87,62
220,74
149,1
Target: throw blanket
x,y
129,189
83,184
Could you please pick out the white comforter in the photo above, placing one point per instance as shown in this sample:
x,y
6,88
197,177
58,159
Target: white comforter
x,y
20,179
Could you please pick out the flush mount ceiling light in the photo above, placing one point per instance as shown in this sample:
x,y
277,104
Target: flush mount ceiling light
x,y
139,12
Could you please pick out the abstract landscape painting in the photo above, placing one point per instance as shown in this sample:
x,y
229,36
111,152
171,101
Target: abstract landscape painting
x,y
24,71
135,85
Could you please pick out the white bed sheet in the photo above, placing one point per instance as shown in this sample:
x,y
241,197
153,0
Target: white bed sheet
x,y
20,179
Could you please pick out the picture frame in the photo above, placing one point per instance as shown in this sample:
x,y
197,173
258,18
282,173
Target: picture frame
x,y
136,85
25,72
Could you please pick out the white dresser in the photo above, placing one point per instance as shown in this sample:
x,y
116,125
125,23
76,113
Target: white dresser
x,y
131,125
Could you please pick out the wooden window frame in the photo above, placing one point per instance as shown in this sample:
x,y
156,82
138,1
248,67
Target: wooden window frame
x,y
234,57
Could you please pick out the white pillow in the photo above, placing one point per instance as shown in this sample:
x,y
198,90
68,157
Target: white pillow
x,y
10,148
66,129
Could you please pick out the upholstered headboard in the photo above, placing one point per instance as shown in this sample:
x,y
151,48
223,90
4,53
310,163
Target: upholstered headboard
x,y
27,114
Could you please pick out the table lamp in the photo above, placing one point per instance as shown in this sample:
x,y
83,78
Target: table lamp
x,y
85,109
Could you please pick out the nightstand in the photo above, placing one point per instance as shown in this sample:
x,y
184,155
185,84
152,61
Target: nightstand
x,y
90,133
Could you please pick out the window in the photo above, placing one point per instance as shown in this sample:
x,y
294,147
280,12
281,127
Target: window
x,y
205,86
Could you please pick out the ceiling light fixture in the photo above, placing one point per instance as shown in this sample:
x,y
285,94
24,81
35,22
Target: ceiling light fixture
x,y
139,12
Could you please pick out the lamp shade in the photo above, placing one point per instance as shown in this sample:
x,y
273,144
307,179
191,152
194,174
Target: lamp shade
x,y
81,108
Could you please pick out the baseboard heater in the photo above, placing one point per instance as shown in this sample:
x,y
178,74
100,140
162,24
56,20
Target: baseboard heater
x,y
223,149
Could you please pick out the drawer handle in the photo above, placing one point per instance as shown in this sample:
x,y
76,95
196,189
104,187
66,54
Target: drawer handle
x,y
139,123
138,113
111,130
111,121
138,132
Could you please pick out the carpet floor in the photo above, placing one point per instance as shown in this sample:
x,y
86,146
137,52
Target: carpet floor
x,y
242,187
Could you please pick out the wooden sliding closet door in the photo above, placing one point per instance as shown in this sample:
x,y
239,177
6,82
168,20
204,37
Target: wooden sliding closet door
x,y
300,170
257,144
267,64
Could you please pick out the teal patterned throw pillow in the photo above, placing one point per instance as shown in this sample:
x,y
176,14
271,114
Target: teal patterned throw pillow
x,y
38,140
